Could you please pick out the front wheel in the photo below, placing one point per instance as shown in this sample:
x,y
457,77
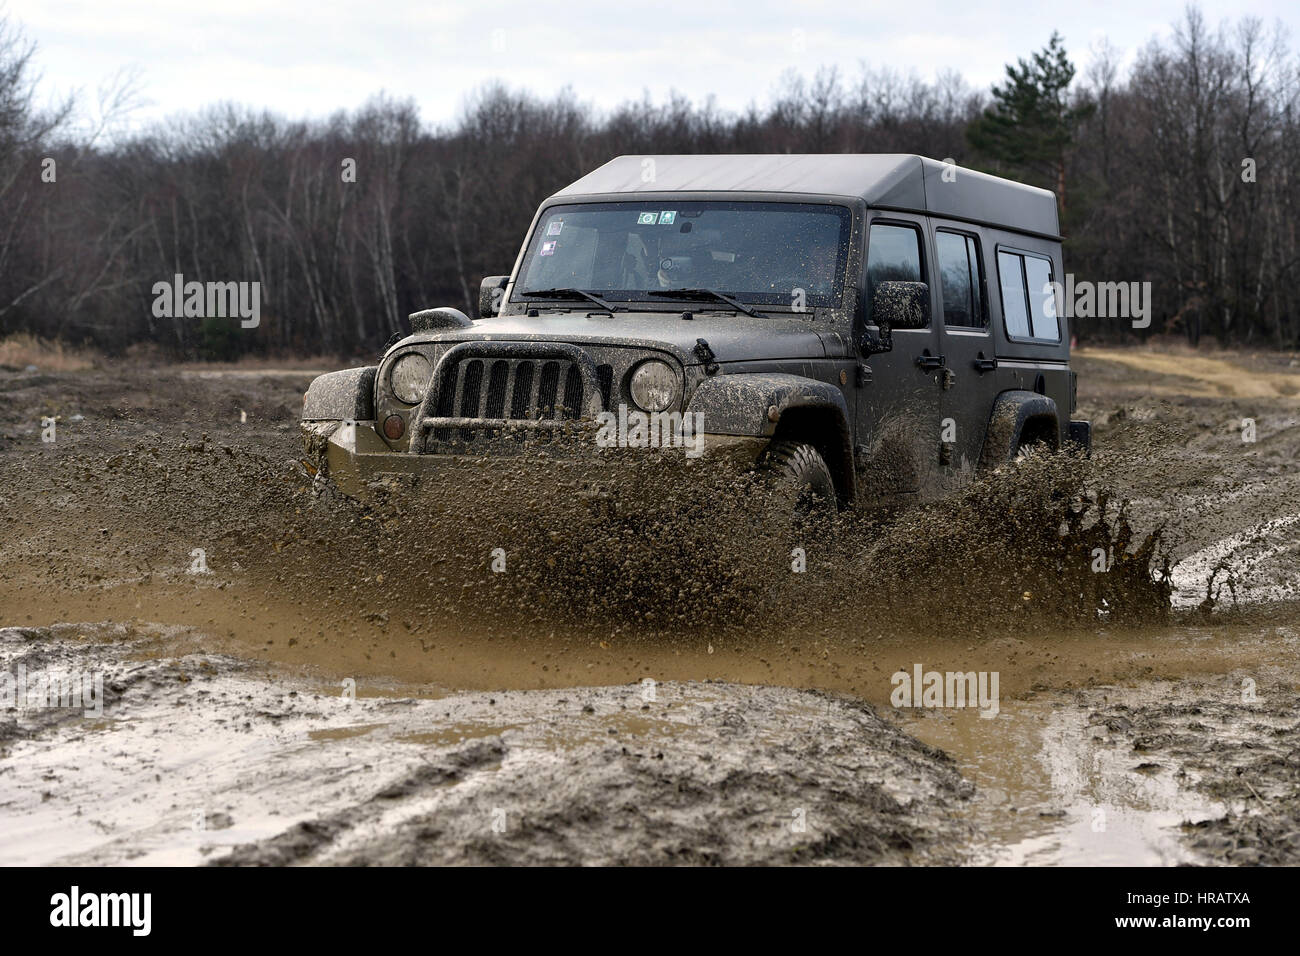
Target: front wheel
x,y
800,480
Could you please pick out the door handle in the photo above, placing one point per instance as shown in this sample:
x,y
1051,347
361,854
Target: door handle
x,y
983,364
928,362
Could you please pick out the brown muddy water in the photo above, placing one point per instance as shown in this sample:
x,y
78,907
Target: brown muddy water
x,y
339,683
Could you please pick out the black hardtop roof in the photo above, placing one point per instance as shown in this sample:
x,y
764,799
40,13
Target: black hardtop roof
x,y
900,181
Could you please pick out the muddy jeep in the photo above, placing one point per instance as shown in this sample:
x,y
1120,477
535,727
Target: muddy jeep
x,y
863,326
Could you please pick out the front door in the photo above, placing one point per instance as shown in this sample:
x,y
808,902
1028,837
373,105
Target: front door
x,y
897,430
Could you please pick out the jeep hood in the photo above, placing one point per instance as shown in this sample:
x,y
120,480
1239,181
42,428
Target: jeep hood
x,y
732,338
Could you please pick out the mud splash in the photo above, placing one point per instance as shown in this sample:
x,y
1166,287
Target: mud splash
x,y
538,545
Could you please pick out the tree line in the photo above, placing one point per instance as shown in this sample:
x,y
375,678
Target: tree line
x,y
1184,172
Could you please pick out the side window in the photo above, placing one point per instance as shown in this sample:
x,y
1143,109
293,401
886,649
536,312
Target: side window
x,y
1028,305
893,255
959,274
1042,303
1015,305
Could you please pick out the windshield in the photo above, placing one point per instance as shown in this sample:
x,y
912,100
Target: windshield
x,y
780,254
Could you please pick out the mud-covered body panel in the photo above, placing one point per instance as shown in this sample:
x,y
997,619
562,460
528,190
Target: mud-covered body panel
x,y
339,396
753,403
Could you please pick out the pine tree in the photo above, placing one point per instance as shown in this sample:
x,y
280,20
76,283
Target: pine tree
x,y
1031,124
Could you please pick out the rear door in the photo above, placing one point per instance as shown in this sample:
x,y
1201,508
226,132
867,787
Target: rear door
x,y
897,430
966,341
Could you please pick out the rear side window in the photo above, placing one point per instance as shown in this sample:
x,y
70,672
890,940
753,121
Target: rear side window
x,y
1028,304
959,274
1042,302
893,255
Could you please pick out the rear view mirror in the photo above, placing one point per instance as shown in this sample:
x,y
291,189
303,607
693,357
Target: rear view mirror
x,y
491,293
901,305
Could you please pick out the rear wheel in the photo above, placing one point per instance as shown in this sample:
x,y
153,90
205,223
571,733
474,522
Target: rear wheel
x,y
1028,449
1035,439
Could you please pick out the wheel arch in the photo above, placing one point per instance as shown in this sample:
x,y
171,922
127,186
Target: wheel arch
x,y
345,395
787,407
1019,416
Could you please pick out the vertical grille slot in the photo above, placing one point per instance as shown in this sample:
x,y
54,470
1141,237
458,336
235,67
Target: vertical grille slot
x,y
605,382
447,403
572,393
447,398
497,384
523,391
550,382
471,395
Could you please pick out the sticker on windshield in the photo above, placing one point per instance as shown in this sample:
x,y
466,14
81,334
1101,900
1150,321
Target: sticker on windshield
x,y
554,227
548,248
668,217
646,219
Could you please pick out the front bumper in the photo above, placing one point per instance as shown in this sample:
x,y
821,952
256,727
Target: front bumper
x,y
353,456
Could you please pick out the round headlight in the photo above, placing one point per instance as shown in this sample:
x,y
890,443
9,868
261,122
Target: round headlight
x,y
410,377
654,386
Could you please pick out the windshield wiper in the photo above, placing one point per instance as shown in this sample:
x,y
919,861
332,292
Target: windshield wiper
x,y
571,294
699,294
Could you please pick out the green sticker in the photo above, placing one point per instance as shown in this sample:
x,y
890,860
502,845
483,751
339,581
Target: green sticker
x,y
667,217
645,219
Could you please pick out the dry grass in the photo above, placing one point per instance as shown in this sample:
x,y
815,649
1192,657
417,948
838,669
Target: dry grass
x,y
22,349
258,363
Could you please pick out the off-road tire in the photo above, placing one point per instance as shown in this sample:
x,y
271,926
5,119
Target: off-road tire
x,y
1028,449
798,473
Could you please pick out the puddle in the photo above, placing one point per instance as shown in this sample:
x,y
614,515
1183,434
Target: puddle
x,y
343,733
450,736
559,734
1054,790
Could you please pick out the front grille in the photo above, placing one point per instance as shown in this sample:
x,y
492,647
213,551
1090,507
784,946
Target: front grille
x,y
508,390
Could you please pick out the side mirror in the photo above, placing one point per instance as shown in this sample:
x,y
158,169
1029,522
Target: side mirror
x,y
901,305
491,293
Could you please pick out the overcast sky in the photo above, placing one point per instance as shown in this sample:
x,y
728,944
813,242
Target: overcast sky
x,y
310,57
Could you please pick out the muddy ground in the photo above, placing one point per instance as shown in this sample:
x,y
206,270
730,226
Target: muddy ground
x,y
291,677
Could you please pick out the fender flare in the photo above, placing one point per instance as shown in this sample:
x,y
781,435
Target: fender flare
x,y
346,395
1012,411
753,404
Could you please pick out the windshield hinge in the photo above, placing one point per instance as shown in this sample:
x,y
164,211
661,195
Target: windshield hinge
x,y
706,356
